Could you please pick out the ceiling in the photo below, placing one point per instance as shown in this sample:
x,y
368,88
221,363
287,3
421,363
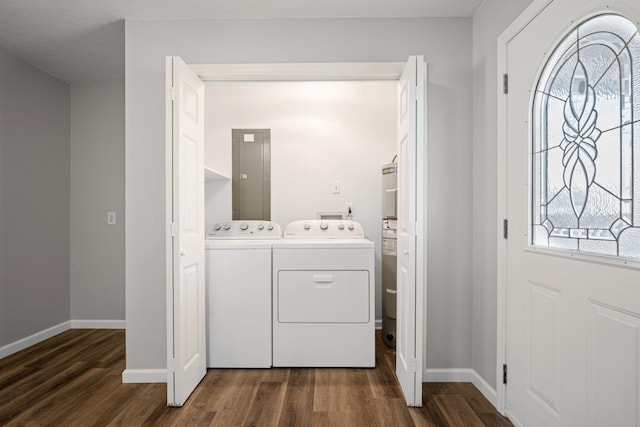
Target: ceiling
x,y
83,40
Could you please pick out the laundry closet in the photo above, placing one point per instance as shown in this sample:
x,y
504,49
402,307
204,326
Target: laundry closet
x,y
328,140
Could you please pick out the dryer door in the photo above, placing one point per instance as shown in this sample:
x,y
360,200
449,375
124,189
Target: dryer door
x,y
323,297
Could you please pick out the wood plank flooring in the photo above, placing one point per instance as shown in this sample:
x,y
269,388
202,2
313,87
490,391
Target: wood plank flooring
x,y
74,379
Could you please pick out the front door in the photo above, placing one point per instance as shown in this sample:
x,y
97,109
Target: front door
x,y
572,112
186,338
410,283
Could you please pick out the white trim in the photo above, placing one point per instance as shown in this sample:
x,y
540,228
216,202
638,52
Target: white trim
x,y
509,34
513,419
144,376
299,71
485,388
378,323
132,375
97,324
421,252
23,343
464,376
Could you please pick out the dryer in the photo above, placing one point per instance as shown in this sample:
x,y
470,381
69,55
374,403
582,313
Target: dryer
x,y
323,295
238,288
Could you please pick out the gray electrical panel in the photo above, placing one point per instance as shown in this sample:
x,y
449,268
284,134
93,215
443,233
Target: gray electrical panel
x,y
251,169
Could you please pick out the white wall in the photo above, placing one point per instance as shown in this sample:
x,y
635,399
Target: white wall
x,y
489,21
34,200
320,132
446,45
97,186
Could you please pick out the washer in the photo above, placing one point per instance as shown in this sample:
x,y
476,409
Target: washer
x,y
238,283
323,296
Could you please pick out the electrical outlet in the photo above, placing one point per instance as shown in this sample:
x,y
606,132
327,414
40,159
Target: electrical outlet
x,y
111,218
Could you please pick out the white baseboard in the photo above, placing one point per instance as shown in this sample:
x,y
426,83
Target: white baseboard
x,y
97,324
378,323
144,376
462,375
23,343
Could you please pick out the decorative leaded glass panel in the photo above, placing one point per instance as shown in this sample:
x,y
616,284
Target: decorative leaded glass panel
x,y
585,157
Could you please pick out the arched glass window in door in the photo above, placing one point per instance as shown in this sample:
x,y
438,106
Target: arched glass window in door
x,y
585,158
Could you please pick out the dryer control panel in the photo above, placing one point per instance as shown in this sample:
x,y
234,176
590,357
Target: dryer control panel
x,y
324,229
244,229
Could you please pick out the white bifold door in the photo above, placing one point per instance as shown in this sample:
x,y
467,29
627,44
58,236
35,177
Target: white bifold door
x,y
411,225
186,337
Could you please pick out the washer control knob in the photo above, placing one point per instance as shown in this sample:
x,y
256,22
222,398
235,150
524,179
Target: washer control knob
x,y
351,227
227,227
217,227
324,226
260,226
270,227
341,226
307,226
244,226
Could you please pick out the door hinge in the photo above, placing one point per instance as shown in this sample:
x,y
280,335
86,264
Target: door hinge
x,y
413,365
171,229
504,374
505,228
505,83
174,93
413,228
171,365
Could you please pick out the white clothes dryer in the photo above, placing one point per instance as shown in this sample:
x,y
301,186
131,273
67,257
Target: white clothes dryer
x,y
323,296
238,284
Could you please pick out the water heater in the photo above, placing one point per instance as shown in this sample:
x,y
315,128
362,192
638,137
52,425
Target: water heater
x,y
389,252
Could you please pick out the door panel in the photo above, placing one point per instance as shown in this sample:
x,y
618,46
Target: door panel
x,y
572,340
186,339
409,301
613,356
190,298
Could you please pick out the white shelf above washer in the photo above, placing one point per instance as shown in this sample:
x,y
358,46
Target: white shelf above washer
x,y
214,175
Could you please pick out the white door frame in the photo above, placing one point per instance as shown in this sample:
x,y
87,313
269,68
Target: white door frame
x,y
337,72
526,17
503,40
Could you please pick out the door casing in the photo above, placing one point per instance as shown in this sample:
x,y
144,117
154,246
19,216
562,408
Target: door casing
x,y
338,72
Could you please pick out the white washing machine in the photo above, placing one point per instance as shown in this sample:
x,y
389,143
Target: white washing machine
x,y
238,284
323,296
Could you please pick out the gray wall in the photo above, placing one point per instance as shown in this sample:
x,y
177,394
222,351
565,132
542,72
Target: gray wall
x,y
446,45
97,187
34,200
489,21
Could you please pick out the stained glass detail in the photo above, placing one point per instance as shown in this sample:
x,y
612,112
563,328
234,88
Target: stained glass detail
x,y
585,151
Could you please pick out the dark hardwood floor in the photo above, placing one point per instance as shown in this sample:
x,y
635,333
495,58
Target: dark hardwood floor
x,y
74,379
